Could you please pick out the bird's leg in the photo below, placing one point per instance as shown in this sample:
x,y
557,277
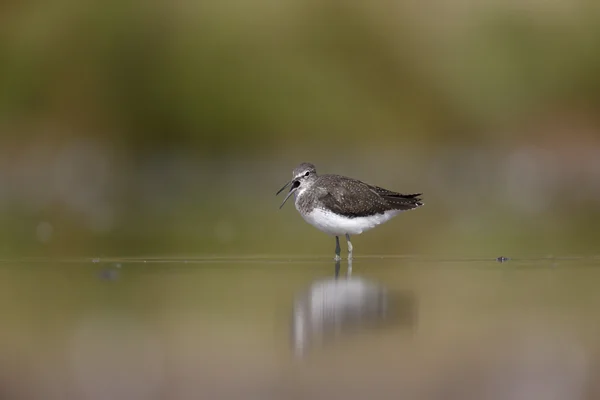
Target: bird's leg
x,y
337,249
349,247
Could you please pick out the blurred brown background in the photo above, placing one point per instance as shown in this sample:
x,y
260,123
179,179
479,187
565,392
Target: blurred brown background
x,y
165,128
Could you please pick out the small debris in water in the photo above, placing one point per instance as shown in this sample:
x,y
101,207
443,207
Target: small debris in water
x,y
95,260
502,259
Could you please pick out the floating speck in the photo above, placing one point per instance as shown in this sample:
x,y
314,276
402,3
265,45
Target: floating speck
x,y
95,260
502,259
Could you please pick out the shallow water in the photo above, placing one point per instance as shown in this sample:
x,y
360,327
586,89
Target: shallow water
x,y
295,328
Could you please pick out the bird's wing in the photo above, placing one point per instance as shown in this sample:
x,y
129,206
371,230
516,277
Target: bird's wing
x,y
399,201
388,193
354,198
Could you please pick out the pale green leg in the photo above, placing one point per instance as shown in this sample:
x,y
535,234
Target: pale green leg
x,y
349,247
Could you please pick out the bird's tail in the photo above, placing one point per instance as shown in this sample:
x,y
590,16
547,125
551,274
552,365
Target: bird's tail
x,y
404,202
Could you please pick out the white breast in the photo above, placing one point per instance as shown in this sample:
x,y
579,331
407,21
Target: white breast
x,y
338,225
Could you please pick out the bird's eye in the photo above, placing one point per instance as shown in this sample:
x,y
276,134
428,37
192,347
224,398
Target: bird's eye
x,y
307,173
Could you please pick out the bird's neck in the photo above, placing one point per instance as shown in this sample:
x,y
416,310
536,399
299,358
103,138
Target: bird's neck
x,y
298,194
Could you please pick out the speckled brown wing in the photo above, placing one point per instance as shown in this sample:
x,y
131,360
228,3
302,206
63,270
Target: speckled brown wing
x,y
353,198
398,200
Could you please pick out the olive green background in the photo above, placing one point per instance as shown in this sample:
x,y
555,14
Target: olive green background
x,y
161,130
131,128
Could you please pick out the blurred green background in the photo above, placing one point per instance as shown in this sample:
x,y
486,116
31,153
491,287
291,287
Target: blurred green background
x,y
165,128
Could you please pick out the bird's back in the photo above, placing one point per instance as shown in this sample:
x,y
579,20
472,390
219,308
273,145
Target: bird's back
x,y
353,198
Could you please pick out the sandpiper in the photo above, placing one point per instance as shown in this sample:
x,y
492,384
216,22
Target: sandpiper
x,y
338,205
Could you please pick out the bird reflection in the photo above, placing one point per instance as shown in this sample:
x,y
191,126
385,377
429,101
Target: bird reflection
x,y
332,307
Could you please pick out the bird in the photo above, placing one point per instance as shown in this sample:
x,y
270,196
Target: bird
x,y
342,206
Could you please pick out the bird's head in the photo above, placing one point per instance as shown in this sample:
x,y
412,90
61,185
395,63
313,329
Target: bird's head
x,y
302,177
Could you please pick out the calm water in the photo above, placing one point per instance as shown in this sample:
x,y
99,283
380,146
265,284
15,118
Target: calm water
x,y
263,328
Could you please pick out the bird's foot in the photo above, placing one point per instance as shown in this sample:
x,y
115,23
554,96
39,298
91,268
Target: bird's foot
x,y
337,258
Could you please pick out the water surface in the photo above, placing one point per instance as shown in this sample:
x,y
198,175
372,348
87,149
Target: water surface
x,y
299,328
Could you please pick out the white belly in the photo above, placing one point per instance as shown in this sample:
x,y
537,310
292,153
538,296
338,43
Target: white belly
x,y
338,225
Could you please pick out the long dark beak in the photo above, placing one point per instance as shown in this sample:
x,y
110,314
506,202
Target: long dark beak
x,y
295,185
284,186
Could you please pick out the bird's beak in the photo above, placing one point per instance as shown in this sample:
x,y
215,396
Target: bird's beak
x,y
284,186
295,185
